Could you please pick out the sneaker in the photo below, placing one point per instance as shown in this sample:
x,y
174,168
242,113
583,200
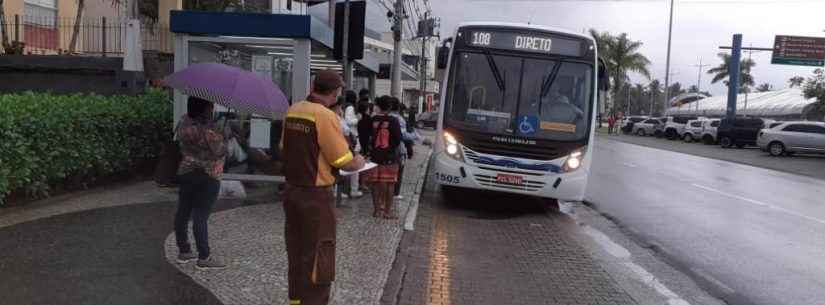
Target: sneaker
x,y
399,197
356,194
344,196
184,258
210,263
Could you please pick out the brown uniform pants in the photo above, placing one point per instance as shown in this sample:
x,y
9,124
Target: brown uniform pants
x,y
310,243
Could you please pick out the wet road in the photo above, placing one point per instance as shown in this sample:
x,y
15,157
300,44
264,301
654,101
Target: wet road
x,y
755,236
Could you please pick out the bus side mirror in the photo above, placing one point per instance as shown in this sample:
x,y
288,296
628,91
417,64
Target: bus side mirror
x,y
444,53
604,76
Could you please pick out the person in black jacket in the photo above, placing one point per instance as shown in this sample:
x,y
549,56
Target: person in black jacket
x,y
385,139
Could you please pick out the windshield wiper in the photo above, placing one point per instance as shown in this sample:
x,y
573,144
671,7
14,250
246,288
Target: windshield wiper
x,y
496,73
548,82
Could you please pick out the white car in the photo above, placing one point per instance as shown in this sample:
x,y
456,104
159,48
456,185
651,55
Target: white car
x,y
693,130
793,137
709,131
627,123
646,127
675,126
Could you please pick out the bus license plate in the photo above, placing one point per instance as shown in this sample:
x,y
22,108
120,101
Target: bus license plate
x,y
509,179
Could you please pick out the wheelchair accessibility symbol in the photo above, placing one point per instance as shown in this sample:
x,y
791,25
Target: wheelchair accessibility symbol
x,y
527,124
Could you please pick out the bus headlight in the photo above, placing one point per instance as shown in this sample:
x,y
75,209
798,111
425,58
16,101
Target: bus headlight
x,y
574,161
452,147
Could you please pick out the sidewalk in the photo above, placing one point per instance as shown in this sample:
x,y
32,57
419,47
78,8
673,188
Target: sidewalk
x,y
251,240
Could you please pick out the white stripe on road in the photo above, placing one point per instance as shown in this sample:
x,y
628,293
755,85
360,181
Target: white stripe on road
x,y
756,202
760,203
625,256
629,164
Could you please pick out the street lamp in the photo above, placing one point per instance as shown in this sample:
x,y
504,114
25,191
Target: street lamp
x,y
667,65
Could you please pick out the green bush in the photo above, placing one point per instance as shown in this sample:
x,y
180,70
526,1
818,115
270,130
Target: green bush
x,y
47,139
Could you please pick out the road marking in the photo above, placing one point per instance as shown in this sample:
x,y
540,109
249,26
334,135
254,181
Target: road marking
x,y
625,256
606,243
756,202
760,203
629,164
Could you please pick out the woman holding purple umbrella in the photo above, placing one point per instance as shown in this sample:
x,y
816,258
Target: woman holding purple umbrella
x,y
203,148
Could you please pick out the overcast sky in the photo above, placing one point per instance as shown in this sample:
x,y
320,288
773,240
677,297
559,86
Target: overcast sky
x,y
700,27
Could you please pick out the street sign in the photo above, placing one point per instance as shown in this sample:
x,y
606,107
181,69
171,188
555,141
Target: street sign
x,y
798,62
798,50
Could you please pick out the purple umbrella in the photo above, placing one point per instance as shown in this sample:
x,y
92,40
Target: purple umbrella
x,y
231,87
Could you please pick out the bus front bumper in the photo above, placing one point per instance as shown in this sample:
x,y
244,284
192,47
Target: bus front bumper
x,y
563,186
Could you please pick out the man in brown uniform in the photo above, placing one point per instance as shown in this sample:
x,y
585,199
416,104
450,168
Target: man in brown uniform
x,y
313,147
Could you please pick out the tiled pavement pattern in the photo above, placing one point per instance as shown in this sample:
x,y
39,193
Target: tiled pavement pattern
x,y
251,241
475,252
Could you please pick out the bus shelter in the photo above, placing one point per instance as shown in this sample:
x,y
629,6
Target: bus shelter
x,y
286,48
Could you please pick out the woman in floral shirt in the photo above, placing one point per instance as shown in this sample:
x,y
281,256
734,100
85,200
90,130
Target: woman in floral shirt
x,y
203,147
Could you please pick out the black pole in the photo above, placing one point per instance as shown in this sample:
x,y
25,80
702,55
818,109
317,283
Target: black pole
x,y
733,76
16,27
103,30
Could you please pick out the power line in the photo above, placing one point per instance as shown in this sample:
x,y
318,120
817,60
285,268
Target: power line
x,y
381,2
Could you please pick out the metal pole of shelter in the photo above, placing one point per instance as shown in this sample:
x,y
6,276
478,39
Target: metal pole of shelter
x,y
345,47
667,65
733,72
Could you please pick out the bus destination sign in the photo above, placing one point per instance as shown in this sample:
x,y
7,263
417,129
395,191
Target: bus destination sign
x,y
528,42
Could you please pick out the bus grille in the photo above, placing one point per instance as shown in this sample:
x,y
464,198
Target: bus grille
x,y
527,185
522,169
486,146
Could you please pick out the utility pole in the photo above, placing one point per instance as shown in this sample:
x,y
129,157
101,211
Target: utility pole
x,y
425,34
699,80
398,32
667,65
345,48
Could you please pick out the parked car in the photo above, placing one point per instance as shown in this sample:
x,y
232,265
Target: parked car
x,y
660,129
427,120
693,130
774,124
627,122
740,132
646,127
709,131
675,126
793,137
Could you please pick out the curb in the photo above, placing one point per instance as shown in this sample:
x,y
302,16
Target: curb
x,y
412,210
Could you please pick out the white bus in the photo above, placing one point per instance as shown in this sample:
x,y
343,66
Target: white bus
x,y
518,110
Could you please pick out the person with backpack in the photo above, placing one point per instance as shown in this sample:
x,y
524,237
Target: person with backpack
x,y
384,144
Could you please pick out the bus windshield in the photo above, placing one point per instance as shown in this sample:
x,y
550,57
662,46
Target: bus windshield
x,y
524,96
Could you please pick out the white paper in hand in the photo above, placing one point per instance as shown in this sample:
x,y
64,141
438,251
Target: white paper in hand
x,y
367,166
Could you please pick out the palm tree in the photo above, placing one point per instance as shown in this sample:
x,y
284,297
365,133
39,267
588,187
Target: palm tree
x,y
764,87
623,57
603,40
796,81
721,72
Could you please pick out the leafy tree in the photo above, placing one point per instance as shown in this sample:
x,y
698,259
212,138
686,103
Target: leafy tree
x,y
815,88
721,72
796,81
625,57
764,87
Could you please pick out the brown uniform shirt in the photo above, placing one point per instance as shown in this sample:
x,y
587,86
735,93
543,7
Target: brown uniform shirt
x,y
313,145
